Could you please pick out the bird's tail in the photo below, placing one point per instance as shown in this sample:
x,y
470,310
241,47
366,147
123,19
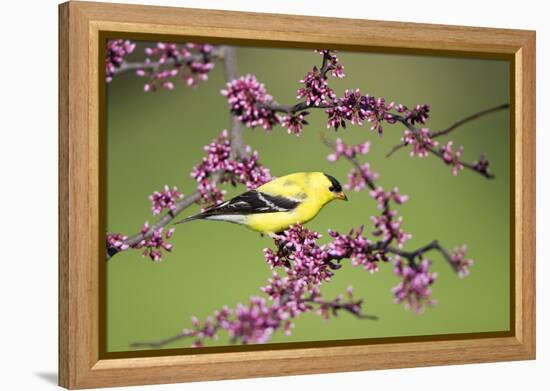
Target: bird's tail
x,y
190,218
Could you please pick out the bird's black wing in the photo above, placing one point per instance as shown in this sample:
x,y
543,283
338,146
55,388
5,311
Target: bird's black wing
x,y
252,202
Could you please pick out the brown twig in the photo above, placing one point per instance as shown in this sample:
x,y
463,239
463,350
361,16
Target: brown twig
x,y
411,256
217,52
161,342
469,166
291,109
448,130
348,307
470,118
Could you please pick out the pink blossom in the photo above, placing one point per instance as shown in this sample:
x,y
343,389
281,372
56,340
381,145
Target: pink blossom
x,y
332,63
389,228
459,263
356,108
117,49
156,243
349,151
254,323
246,97
297,247
247,170
315,89
358,178
294,122
165,199
386,225
347,108
191,62
383,197
421,142
360,250
452,158
419,114
414,289
117,241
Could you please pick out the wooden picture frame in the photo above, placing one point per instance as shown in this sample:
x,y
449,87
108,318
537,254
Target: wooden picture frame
x,y
80,161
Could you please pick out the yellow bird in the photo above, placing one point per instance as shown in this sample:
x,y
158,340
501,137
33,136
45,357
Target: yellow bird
x,y
276,205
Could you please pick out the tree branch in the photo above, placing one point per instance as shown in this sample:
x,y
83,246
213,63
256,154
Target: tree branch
x,y
217,52
291,109
470,118
348,307
230,71
161,342
469,166
412,255
237,148
181,205
454,126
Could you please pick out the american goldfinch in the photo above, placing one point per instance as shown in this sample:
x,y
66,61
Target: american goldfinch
x,y
276,205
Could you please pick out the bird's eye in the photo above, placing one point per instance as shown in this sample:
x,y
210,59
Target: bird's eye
x,y
331,188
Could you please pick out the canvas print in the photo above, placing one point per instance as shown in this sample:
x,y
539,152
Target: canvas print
x,y
280,195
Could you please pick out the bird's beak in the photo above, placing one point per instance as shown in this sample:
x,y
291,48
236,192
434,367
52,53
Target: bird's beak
x,y
341,196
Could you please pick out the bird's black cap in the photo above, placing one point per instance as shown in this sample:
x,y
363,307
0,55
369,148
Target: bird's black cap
x,y
336,186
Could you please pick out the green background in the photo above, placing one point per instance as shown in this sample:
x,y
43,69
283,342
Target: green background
x,y
156,138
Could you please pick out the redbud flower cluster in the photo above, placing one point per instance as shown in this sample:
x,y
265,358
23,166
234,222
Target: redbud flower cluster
x,y
165,199
419,114
247,170
414,290
250,103
154,246
341,149
253,106
191,62
356,108
117,49
452,158
386,225
294,122
315,89
355,246
420,141
357,178
117,241
248,324
247,98
460,263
